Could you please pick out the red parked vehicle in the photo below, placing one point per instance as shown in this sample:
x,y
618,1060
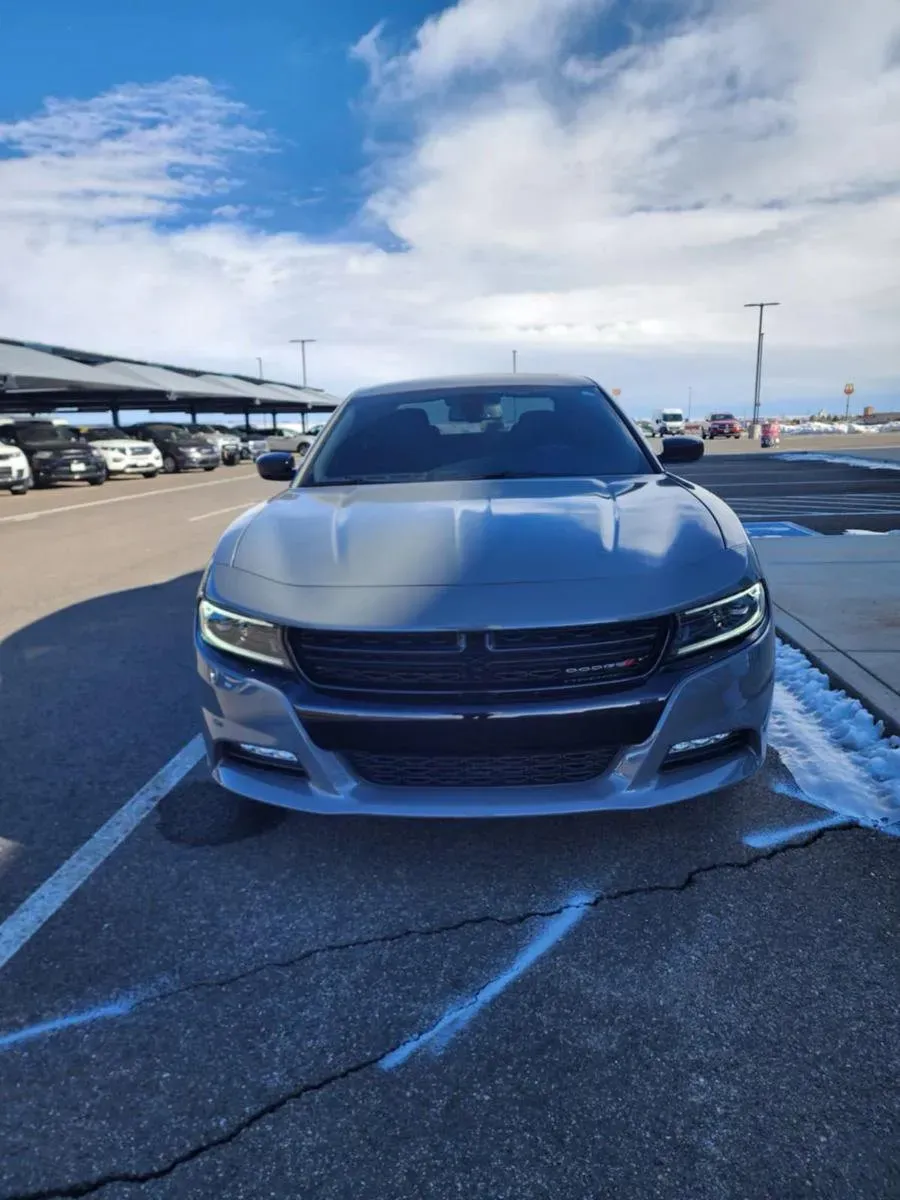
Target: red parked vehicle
x,y
723,425
770,434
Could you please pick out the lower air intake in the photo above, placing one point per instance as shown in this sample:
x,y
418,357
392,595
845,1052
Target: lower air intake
x,y
487,771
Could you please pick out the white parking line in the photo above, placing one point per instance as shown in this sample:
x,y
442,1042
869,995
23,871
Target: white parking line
x,y
185,487
219,511
40,906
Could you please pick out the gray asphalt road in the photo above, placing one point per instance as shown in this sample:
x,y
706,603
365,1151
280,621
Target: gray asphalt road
x,y
229,1006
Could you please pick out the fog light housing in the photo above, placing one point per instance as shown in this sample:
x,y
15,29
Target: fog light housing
x,y
265,758
698,744
696,750
268,753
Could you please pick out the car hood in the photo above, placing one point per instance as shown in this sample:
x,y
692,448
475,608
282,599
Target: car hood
x,y
59,447
479,554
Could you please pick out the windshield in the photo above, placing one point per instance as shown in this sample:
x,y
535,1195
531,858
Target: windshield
x,y
721,417
45,431
476,433
172,433
672,414
107,434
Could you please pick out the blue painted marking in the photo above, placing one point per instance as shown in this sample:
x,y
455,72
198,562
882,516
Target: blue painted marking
x,y
760,529
765,839
457,1017
117,1009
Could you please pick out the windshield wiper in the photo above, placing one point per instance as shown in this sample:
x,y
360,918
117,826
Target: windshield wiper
x,y
357,480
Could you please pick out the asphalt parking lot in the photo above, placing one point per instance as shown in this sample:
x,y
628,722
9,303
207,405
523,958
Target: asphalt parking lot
x,y
827,497
238,1002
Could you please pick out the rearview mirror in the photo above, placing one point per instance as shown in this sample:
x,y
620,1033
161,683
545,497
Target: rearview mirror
x,y
681,450
277,465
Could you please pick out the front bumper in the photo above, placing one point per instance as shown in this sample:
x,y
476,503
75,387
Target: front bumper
x,y
135,466
14,477
243,703
64,471
199,462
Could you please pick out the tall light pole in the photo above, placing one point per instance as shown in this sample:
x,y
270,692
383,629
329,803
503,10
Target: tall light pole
x,y
690,400
259,373
759,350
515,355
302,343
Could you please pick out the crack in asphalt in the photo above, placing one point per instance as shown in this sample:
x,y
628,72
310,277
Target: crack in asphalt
x,y
73,1191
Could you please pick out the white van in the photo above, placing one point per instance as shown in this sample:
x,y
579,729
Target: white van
x,y
668,420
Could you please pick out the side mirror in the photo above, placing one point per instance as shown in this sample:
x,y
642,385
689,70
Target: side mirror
x,y
681,450
277,465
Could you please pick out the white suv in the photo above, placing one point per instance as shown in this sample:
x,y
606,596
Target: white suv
x,y
15,473
122,454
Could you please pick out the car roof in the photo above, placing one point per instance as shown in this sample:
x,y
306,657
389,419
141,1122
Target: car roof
x,y
450,382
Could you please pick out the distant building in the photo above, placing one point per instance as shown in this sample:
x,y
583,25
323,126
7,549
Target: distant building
x,y
870,417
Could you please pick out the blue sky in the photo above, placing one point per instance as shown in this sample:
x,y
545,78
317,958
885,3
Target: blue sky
x,y
288,62
599,184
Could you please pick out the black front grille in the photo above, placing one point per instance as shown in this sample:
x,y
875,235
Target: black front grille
x,y
483,771
553,661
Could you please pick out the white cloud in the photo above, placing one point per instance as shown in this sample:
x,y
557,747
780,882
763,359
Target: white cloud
x,y
604,214
468,36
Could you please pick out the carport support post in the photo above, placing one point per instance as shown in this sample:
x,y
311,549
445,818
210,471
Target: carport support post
x,y
115,415
193,411
247,418
274,419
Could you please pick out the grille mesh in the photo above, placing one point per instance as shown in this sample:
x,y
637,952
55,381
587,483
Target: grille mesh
x,y
508,770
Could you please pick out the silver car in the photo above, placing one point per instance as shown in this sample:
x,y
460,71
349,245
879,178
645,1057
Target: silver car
x,y
484,596
228,444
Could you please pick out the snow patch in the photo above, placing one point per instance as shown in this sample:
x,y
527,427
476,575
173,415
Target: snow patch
x,y
844,460
810,427
834,748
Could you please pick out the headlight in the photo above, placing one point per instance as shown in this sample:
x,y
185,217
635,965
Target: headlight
x,y
722,621
44,454
237,634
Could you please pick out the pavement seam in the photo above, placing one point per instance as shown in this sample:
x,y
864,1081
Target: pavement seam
x,y
74,1191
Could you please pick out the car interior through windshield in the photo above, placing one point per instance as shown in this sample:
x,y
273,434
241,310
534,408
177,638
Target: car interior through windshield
x,y
477,434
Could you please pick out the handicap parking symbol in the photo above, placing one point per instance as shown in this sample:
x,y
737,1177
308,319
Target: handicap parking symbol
x,y
769,529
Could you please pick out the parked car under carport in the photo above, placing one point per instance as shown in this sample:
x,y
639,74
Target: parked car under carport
x,y
181,450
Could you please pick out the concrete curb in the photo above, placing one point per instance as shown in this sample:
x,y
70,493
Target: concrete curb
x,y
842,672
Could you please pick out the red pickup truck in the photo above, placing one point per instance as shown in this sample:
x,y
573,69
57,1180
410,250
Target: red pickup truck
x,y
722,425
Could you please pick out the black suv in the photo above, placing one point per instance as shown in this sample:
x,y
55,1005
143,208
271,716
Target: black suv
x,y
181,450
55,452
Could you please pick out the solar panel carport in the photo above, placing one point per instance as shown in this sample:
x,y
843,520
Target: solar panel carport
x,y
45,379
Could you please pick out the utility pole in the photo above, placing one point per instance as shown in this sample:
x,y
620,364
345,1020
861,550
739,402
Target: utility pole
x,y
759,352
690,401
515,355
302,343
259,373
